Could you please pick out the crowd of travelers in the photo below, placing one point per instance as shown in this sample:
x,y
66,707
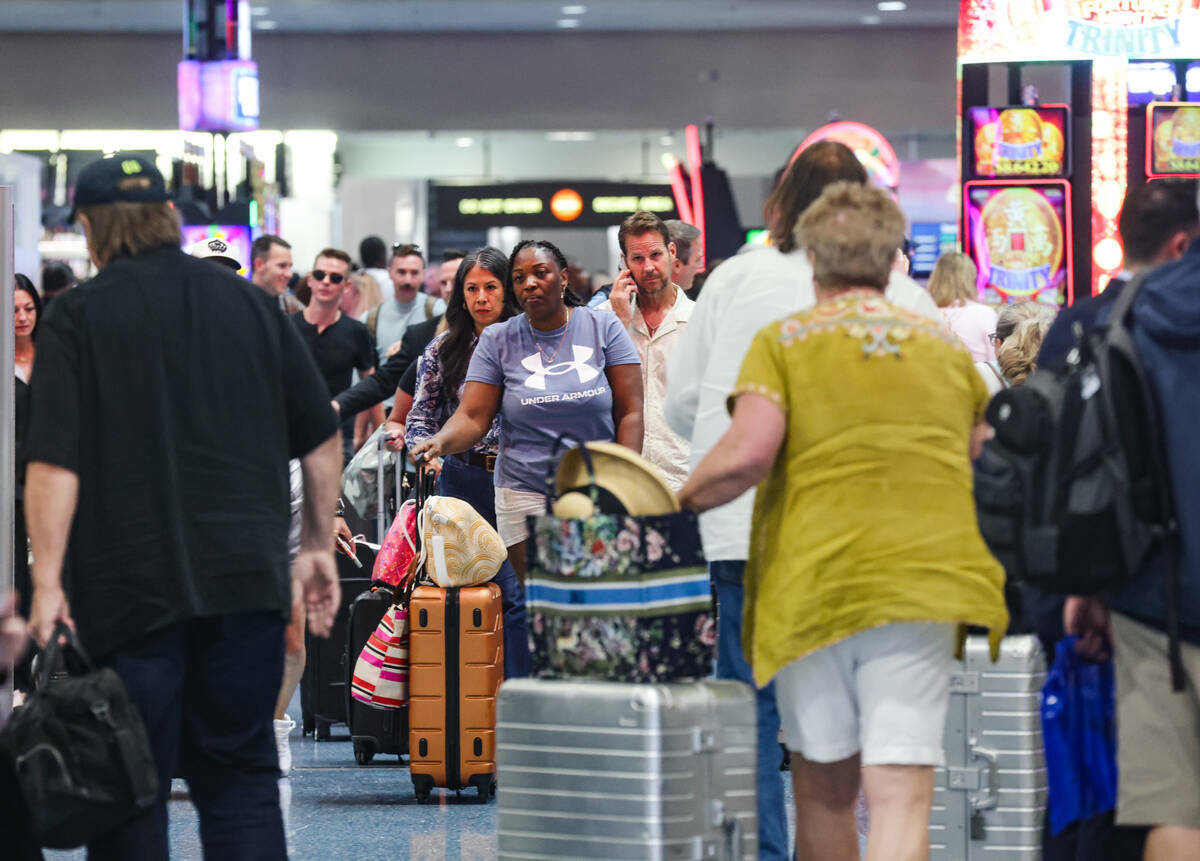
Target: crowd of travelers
x,y
181,432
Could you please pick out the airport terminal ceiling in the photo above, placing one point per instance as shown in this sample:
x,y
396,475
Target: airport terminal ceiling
x,y
355,16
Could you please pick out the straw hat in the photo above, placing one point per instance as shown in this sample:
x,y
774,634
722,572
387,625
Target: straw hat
x,y
626,483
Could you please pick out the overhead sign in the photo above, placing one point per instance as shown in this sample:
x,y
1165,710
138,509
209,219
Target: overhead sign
x,y
548,204
995,30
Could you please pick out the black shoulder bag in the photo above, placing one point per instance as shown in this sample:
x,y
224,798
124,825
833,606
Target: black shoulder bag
x,y
82,758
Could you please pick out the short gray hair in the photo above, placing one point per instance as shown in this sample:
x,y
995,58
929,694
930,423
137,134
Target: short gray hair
x,y
851,232
683,235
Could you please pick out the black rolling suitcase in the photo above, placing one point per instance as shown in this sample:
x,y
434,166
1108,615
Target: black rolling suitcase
x,y
372,730
323,688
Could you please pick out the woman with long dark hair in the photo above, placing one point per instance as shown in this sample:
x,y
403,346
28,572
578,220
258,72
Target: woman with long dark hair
x,y
556,368
480,298
27,311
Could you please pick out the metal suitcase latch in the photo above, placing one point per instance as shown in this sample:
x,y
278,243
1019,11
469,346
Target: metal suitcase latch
x,y
980,782
703,740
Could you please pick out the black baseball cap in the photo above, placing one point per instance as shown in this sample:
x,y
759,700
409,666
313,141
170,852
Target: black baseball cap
x,y
123,177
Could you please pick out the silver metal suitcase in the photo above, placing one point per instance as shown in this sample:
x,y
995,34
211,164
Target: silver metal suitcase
x,y
604,770
989,802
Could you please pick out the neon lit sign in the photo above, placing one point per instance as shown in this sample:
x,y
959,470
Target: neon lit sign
x,y
871,148
1076,29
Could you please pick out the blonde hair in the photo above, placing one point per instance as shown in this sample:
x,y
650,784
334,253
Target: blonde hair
x,y
851,232
127,229
1018,353
370,296
953,279
1012,315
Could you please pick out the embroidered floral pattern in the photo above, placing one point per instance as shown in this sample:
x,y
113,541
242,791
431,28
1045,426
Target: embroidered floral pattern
x,y
866,316
615,643
431,408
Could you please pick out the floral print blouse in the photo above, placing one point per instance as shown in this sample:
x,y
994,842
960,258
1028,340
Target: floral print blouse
x,y
432,408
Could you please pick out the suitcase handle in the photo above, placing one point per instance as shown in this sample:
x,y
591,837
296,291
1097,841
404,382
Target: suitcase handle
x,y
989,796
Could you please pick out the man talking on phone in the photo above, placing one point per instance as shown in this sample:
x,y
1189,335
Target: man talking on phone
x,y
655,311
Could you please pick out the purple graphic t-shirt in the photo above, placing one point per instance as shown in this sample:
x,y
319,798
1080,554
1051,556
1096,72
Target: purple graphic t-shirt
x,y
560,388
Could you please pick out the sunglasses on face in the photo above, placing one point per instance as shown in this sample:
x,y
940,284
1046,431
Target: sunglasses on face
x,y
334,277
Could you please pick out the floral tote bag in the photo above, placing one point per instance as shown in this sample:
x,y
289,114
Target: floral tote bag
x,y
619,598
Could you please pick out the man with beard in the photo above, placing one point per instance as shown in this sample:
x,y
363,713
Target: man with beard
x,y
655,311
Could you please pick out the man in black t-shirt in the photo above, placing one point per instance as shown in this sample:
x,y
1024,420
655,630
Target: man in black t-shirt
x,y
339,344
169,397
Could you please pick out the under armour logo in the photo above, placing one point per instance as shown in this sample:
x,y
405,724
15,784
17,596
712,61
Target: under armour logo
x,y
538,370
218,246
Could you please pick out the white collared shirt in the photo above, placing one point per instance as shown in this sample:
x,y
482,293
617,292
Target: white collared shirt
x,y
664,448
744,294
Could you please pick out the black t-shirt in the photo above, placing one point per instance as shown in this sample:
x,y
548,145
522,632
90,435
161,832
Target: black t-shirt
x,y
340,350
176,391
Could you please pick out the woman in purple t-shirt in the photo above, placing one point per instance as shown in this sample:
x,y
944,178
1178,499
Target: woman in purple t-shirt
x,y
554,369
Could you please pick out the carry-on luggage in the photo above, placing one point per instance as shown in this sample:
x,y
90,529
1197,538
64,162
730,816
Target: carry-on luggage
x,y
373,730
323,688
607,770
456,665
990,799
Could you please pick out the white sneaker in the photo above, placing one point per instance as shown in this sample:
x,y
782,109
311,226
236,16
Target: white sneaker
x,y
283,729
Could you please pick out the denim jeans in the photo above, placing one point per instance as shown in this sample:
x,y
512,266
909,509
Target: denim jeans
x,y
731,664
206,691
474,484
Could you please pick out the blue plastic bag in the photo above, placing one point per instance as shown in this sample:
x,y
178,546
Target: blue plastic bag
x,y
1079,731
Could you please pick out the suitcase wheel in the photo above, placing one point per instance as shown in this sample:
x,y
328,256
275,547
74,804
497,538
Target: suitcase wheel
x,y
485,787
364,752
323,730
307,725
422,787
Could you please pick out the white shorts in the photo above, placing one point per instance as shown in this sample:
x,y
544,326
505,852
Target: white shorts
x,y
883,692
512,507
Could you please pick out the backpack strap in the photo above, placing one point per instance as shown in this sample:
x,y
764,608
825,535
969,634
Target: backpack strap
x,y
1120,337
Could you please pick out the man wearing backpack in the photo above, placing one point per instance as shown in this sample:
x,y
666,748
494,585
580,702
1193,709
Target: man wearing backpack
x,y
1158,740
386,324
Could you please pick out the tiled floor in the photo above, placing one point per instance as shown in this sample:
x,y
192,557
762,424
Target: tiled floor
x,y
341,810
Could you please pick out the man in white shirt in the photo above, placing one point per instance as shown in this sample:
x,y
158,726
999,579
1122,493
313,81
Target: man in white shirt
x,y
741,296
386,324
655,311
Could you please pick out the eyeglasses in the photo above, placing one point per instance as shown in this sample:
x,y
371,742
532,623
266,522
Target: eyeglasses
x,y
404,249
334,277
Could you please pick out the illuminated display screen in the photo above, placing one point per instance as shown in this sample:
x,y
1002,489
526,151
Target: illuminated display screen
x,y
1173,139
1020,141
1019,236
218,96
238,236
930,240
548,204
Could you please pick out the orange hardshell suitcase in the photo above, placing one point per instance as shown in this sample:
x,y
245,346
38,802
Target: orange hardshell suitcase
x,y
456,665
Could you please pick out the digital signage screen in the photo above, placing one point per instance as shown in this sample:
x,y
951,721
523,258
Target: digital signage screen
x,y
218,96
1019,141
930,240
1173,139
1019,236
238,236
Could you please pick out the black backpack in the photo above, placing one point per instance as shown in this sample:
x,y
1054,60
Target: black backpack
x,y
82,758
1073,492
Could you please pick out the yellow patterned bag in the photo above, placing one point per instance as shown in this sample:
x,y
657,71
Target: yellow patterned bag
x,y
458,546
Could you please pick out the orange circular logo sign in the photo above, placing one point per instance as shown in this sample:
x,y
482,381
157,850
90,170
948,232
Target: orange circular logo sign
x,y
566,204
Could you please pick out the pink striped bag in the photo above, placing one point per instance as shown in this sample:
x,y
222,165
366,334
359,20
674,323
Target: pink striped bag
x,y
381,672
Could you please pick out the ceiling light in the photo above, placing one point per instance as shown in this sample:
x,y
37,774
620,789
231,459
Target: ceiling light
x,y
265,25
568,23
666,140
260,10
560,137
572,11
870,20
464,142
891,6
